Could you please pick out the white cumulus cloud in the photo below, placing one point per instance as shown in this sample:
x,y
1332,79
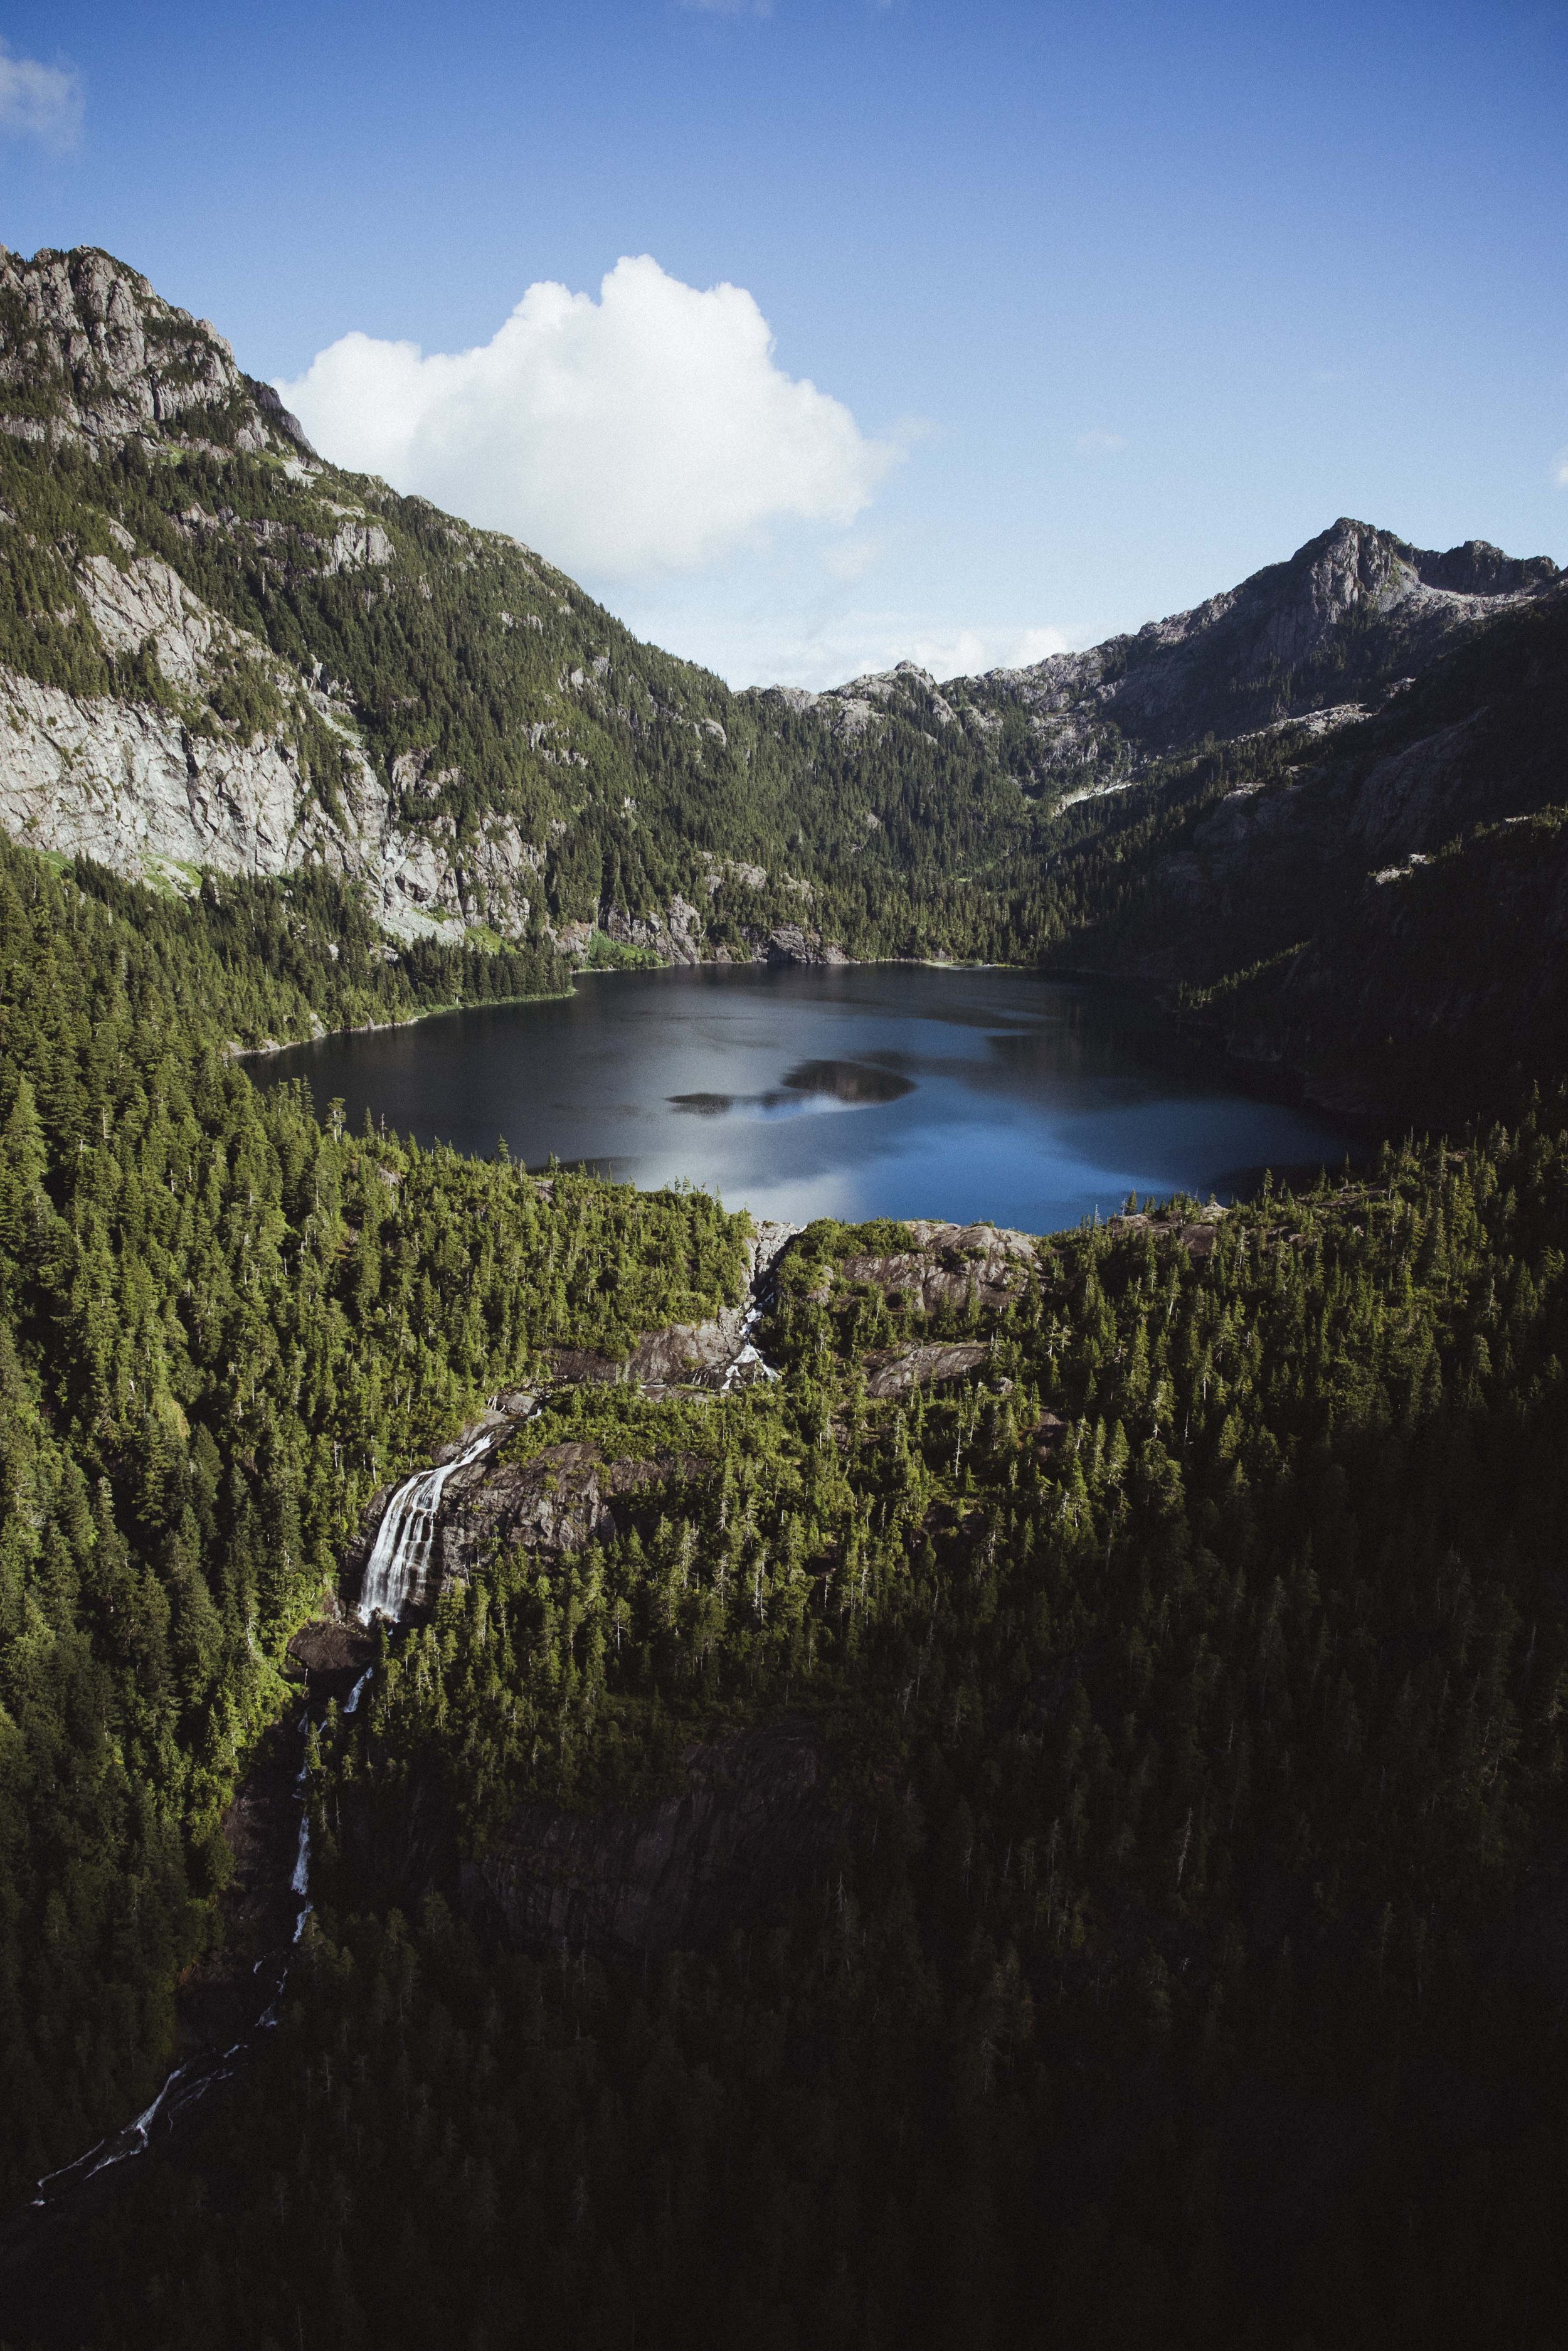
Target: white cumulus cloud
x,y
648,430
39,102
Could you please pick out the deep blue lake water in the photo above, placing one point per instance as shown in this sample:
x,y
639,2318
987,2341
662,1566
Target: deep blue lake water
x,y
871,1089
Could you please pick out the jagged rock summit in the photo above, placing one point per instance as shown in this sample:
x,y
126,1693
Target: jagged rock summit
x,y
1319,639
89,353
1322,638
225,656
220,654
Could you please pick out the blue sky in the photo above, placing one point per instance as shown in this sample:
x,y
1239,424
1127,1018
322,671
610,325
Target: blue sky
x,y
1120,303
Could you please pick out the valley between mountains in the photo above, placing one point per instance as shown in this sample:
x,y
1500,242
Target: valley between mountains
x,y
674,1782
1312,806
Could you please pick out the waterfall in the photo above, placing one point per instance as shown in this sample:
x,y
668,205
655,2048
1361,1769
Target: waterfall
x,y
399,1565
193,2077
396,1580
300,1881
748,1358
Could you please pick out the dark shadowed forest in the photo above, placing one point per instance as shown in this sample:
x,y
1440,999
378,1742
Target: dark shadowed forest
x,y
1163,1635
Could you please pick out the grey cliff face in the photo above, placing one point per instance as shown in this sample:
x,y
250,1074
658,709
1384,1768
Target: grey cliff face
x,y
133,787
97,356
754,1821
161,784
1327,636
558,1500
983,1266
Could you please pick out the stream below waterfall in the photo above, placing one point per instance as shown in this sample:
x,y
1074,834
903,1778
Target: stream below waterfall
x,y
195,2075
395,1586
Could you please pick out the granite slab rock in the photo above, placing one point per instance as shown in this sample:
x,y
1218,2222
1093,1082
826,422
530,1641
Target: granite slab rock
x,y
755,1821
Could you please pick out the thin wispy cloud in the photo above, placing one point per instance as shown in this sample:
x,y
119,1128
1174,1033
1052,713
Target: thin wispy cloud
x,y
39,102
969,653
727,7
1098,442
648,430
1560,469
769,646
850,559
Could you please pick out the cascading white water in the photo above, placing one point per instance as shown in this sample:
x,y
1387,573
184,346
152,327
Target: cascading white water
x,y
300,1882
397,1570
395,1581
749,1361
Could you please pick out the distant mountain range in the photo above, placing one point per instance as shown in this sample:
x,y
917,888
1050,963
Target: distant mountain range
x,y
220,654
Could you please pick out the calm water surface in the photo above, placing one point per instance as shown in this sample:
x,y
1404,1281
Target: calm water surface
x,y
878,1090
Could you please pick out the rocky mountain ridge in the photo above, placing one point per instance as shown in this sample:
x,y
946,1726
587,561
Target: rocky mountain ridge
x,y
90,354
161,714
221,655
1320,641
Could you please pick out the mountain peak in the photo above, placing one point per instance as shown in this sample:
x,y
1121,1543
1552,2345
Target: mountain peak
x,y
1377,559
1326,634
89,353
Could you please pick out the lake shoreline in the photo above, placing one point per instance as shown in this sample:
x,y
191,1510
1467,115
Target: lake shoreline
x,y
963,1092
238,1052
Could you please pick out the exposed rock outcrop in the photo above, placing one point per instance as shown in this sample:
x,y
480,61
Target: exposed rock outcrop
x,y
755,1822
691,1354
1197,1235
134,787
557,1500
332,1651
90,354
712,1354
895,1371
952,1266
126,784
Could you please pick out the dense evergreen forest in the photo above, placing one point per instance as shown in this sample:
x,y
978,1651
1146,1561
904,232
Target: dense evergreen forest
x,y
1178,1951
1101,1706
223,1325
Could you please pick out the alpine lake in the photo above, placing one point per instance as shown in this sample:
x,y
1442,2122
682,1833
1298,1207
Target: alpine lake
x,y
849,1091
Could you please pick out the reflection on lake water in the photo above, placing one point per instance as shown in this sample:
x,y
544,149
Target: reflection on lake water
x,y
813,1086
871,1089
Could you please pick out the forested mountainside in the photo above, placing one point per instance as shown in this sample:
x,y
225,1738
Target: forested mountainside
x,y
219,654
1382,909
1045,1821
223,1326
223,654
